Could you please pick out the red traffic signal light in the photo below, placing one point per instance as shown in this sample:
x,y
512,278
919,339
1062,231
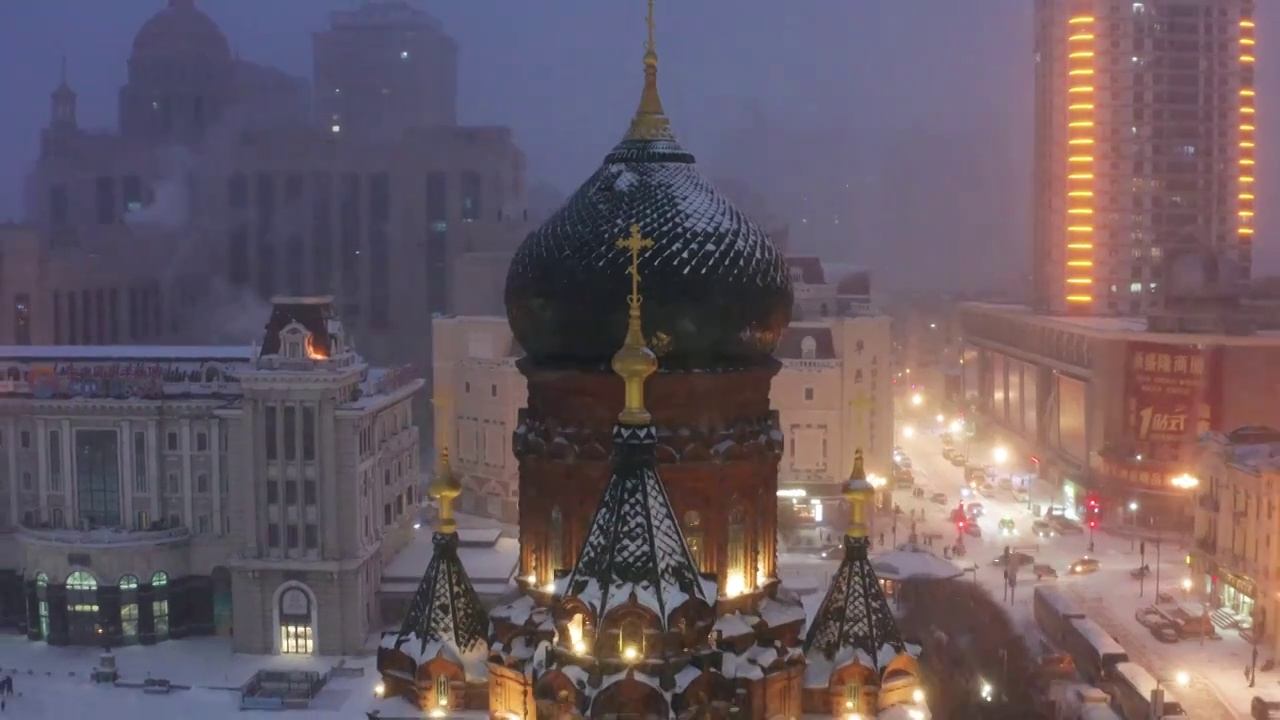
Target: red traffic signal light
x,y
1093,524
960,524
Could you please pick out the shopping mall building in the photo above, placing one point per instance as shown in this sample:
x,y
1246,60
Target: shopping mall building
x,y
1111,407
160,492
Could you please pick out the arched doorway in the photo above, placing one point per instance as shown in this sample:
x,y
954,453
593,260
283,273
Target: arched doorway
x,y
82,609
296,619
222,617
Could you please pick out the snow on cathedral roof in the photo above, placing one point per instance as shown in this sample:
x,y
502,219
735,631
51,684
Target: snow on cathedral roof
x,y
445,617
854,622
635,546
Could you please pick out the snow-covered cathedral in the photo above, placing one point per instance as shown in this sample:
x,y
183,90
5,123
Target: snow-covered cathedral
x,y
648,582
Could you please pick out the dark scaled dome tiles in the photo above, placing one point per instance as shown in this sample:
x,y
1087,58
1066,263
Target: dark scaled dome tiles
x,y
717,293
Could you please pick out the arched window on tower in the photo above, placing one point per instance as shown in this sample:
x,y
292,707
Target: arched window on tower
x,y
631,639
555,542
736,580
693,534
808,348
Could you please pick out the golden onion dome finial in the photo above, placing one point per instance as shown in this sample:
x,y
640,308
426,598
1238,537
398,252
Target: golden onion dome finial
x,y
634,362
444,488
858,492
650,121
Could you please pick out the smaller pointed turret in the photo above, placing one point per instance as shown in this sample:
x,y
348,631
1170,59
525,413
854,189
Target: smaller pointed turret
x,y
854,619
446,619
62,107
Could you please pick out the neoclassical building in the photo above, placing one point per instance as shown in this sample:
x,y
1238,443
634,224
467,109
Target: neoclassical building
x,y
153,492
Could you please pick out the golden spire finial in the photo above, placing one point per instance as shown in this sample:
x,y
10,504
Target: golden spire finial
x,y
634,362
445,488
650,121
858,493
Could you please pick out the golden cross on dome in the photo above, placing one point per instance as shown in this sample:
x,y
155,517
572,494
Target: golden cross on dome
x,y
634,243
649,21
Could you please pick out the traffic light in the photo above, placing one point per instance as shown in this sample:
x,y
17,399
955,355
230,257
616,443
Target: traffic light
x,y
1092,502
1093,524
960,524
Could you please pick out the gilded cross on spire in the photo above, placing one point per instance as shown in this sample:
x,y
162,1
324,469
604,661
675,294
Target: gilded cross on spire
x,y
650,121
634,362
634,244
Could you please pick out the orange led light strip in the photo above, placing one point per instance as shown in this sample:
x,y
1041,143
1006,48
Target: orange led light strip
x,y
1248,141
1080,131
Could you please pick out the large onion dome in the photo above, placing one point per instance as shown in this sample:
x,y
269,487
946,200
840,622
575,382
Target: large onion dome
x,y
717,293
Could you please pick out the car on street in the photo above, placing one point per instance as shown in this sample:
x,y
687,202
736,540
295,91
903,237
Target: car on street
x,y
1007,527
1065,525
975,510
1043,571
939,498
958,460
1013,559
972,530
1004,483
1042,529
1020,495
948,452
987,489
1085,566
832,552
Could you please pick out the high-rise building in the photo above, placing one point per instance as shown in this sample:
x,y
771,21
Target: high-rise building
x,y
384,67
1144,137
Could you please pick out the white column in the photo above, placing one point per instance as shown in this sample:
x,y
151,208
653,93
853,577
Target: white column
x,y
126,473
215,447
185,444
11,434
68,476
42,467
153,467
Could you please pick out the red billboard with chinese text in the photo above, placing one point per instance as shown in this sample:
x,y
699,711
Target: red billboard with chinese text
x,y
1173,393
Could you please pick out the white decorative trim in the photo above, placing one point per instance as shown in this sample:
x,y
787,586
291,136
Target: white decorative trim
x,y
275,615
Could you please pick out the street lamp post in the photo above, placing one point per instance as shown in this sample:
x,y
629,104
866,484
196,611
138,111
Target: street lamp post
x,y
1133,523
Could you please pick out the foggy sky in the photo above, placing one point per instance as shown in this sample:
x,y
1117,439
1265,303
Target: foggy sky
x,y
893,134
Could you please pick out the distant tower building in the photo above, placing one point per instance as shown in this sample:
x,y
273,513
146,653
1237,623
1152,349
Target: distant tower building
x,y
1144,144
858,663
315,489
62,105
180,77
385,67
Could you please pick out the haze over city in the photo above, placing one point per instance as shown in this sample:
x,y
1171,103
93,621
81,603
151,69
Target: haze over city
x,y
640,359
921,108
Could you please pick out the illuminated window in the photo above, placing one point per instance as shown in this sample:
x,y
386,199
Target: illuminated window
x,y
631,636
442,690
737,542
555,540
693,534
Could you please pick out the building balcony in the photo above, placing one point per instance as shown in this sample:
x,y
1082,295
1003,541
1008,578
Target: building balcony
x,y
103,537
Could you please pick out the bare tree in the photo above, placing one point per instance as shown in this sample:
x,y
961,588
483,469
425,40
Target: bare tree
x,y
970,644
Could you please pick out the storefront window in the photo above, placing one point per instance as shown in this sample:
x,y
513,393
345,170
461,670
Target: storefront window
x,y
82,608
160,605
42,587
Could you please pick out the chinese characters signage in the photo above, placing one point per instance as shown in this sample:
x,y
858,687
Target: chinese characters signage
x,y
1171,396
